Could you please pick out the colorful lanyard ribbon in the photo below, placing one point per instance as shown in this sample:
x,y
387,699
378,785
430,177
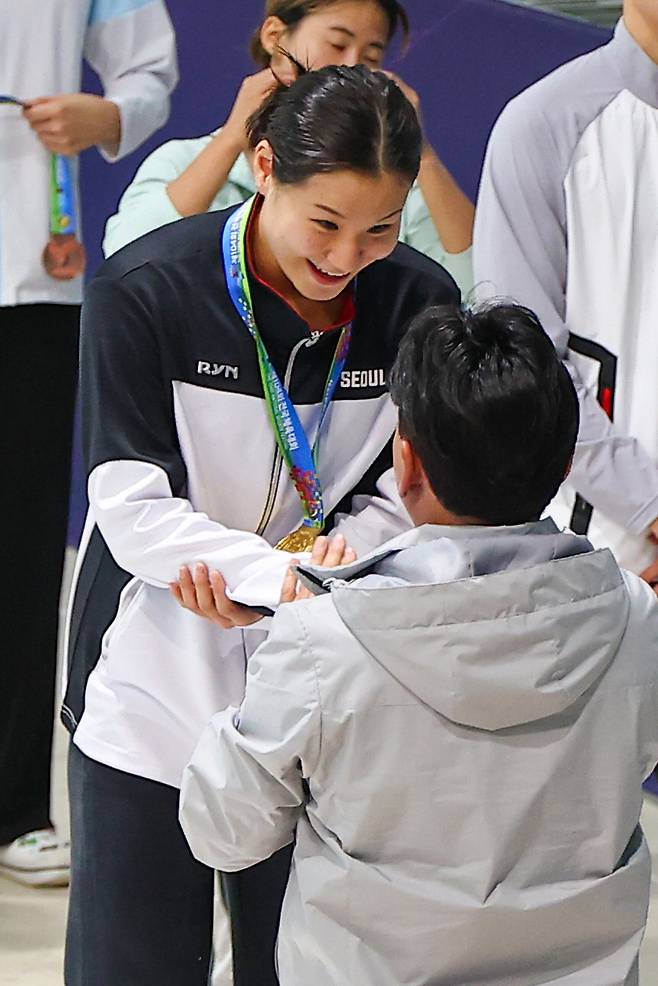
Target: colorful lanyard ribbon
x,y
291,437
64,256
62,196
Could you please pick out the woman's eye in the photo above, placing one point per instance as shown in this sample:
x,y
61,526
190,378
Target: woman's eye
x,y
326,224
339,48
378,230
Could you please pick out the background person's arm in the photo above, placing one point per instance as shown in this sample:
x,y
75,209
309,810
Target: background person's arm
x,y
134,55
450,210
195,188
520,252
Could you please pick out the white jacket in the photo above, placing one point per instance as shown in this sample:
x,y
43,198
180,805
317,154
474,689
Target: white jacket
x,y
565,223
459,739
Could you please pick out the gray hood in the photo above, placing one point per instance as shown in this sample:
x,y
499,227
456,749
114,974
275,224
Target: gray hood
x,y
424,605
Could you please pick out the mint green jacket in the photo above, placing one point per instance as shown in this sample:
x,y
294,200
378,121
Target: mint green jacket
x,y
145,205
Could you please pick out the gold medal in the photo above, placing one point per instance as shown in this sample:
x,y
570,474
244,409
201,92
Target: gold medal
x,y
300,540
64,257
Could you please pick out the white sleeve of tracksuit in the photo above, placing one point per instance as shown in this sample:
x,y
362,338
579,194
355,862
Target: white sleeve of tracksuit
x,y
520,252
137,477
243,790
131,45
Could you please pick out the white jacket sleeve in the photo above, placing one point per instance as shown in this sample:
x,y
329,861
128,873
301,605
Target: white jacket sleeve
x,y
243,790
520,252
137,476
132,47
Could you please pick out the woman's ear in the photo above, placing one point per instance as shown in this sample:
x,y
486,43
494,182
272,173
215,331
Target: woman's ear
x,y
271,34
263,166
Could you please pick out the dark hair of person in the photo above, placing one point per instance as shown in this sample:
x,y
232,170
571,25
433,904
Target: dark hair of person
x,y
291,12
338,118
489,409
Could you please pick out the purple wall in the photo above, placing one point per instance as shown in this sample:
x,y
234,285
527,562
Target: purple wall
x,y
467,59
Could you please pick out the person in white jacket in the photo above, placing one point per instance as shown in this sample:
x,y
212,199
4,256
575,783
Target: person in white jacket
x,y
131,45
565,225
454,735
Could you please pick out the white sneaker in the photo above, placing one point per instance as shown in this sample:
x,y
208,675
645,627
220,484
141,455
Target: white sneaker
x,y
39,859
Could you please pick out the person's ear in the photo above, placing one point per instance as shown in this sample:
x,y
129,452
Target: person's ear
x,y
271,34
263,166
407,467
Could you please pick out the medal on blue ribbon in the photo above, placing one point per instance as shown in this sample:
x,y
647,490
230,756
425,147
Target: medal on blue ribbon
x,y
291,438
64,256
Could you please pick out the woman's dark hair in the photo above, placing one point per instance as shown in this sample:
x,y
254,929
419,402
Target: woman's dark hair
x,y
338,118
489,409
291,12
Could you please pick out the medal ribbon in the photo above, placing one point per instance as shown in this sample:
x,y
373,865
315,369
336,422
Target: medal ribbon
x,y
62,196
288,429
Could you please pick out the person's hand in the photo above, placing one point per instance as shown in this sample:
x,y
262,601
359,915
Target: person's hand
x,y
327,553
410,93
251,94
70,123
204,593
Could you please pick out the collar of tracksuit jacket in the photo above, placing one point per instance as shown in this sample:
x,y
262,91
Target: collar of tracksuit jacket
x,y
636,71
491,627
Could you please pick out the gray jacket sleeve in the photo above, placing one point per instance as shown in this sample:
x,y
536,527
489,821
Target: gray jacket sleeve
x,y
243,790
520,252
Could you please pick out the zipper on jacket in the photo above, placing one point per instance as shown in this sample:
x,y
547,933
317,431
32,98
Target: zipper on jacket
x,y
277,462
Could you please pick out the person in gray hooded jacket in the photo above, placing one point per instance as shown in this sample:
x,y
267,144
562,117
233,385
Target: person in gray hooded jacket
x,y
455,733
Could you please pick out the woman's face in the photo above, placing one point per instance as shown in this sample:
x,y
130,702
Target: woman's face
x,y
321,232
348,32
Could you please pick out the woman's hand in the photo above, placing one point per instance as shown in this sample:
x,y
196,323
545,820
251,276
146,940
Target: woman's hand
x,y
327,553
204,592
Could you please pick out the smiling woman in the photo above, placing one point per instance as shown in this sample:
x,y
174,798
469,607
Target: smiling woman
x,y
328,214
234,395
187,177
